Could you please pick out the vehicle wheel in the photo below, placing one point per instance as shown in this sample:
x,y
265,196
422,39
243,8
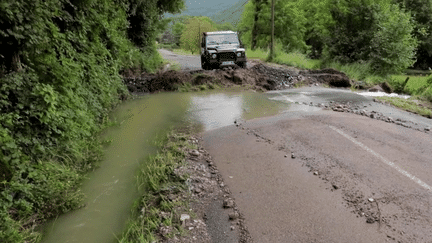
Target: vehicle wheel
x,y
242,64
205,65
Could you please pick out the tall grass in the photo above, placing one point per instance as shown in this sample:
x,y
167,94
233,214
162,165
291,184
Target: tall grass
x,y
295,58
157,181
416,84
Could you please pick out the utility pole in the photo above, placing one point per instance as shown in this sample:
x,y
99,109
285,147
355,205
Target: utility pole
x,y
255,23
199,35
272,34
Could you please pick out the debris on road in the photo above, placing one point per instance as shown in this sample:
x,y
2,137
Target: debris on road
x,y
260,77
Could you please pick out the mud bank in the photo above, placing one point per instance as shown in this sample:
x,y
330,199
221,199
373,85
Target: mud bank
x,y
259,76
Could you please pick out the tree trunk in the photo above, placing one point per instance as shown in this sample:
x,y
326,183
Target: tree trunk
x,y
272,32
16,62
255,29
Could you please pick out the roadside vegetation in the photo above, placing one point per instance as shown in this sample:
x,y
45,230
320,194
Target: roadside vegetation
x,y
381,40
415,105
159,185
370,41
60,74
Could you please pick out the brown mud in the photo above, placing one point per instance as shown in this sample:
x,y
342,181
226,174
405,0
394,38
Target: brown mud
x,y
258,76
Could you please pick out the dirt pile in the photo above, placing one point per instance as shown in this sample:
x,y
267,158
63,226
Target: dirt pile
x,y
258,77
327,76
383,87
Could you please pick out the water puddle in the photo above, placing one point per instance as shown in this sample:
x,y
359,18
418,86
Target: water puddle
x,y
111,189
383,94
214,110
318,95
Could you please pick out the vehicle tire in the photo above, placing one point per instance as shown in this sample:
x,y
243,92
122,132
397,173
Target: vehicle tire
x,y
204,64
242,64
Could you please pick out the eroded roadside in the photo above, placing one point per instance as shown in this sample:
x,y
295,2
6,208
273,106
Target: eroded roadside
x,y
185,198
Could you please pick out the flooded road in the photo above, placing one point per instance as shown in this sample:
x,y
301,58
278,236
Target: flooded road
x,y
111,189
315,175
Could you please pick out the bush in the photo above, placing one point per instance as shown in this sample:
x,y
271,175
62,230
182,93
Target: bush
x,y
392,46
59,78
378,33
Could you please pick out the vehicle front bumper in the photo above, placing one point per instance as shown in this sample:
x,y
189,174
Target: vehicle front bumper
x,y
218,62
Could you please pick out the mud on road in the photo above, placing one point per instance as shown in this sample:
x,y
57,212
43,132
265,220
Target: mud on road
x,y
258,76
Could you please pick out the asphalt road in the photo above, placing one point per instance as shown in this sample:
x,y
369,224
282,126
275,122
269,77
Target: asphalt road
x,y
313,175
186,62
352,179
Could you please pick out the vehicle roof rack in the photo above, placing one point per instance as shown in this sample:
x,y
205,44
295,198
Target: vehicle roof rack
x,y
219,32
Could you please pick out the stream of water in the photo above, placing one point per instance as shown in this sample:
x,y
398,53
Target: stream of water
x,y
111,189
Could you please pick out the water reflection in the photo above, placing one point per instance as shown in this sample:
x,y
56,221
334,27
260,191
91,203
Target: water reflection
x,y
214,110
111,189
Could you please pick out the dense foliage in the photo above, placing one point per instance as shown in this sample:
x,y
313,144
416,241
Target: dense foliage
x,y
59,76
421,12
183,31
381,33
191,35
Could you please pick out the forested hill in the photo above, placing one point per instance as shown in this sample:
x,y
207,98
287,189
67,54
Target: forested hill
x,y
221,11
60,74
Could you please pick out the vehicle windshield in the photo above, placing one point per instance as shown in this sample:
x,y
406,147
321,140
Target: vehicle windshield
x,y
222,39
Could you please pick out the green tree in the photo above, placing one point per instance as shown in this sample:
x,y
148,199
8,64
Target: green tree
x,y
421,12
246,24
378,32
225,26
177,31
190,38
393,46
351,32
289,25
145,21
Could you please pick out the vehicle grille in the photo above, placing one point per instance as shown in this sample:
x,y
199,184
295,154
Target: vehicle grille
x,y
227,56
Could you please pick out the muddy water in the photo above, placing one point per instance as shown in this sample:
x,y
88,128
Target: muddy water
x,y
111,189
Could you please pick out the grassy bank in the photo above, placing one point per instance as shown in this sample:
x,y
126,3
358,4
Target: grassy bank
x,y
161,203
414,105
295,59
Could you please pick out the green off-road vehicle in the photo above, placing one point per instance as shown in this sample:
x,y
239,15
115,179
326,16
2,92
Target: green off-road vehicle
x,y
221,49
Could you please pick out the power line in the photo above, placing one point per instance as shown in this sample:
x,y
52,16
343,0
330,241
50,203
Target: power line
x,y
230,16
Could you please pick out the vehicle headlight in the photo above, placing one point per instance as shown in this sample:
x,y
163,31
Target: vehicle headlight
x,y
214,56
239,54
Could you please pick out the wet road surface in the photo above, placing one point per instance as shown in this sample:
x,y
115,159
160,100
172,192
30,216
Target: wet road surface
x,y
352,178
314,175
